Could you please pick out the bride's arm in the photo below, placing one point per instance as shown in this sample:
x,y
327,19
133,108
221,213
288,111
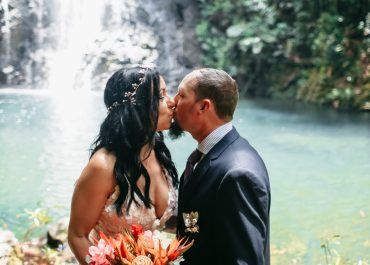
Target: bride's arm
x,y
89,197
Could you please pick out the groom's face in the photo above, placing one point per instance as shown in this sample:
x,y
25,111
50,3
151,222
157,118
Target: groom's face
x,y
185,102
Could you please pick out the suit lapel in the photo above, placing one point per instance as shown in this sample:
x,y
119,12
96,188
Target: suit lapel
x,y
206,163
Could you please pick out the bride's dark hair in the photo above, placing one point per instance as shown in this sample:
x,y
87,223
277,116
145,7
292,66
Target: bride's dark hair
x,y
132,99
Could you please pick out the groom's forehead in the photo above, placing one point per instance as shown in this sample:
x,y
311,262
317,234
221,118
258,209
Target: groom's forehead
x,y
193,76
189,81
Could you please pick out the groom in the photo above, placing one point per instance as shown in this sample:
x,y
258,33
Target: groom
x,y
224,194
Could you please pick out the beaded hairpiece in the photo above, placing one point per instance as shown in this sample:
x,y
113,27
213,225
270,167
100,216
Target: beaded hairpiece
x,y
129,96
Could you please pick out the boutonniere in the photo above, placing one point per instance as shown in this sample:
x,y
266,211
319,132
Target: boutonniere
x,y
190,221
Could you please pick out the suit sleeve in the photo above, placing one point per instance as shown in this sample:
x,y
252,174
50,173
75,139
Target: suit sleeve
x,y
242,214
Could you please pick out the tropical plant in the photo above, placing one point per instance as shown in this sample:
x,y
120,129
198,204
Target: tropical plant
x,y
315,51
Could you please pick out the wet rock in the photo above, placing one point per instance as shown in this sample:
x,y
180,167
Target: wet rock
x,y
31,250
57,233
37,251
8,241
173,23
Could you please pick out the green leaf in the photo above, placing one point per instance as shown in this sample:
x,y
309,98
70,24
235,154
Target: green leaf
x,y
235,30
249,41
257,47
269,38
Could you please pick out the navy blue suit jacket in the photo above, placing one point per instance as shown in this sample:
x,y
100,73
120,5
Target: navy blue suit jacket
x,y
230,190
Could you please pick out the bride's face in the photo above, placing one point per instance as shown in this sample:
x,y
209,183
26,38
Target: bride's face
x,y
165,110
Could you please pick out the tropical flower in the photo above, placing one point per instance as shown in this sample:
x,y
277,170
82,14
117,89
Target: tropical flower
x,y
98,254
136,230
136,247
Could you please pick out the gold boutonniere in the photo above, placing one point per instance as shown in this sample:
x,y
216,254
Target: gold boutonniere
x,y
190,221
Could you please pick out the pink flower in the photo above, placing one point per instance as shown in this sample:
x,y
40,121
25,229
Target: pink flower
x,y
98,253
162,238
148,235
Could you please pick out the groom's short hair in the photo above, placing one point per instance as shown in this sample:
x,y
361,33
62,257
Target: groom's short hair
x,y
220,87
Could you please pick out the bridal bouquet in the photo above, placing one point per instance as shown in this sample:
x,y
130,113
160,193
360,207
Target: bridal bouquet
x,y
136,247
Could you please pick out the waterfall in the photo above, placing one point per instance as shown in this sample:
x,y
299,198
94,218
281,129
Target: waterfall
x,y
34,65
78,44
79,24
5,33
95,37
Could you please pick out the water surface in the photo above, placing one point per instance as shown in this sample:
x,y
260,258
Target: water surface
x,y
318,161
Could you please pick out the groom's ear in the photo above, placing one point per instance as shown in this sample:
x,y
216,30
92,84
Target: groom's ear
x,y
206,103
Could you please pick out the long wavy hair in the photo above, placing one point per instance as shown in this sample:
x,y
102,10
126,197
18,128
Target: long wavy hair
x,y
130,125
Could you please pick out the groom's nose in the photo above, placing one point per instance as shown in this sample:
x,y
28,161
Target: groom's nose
x,y
176,98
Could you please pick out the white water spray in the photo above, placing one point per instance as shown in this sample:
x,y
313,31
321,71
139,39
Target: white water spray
x,y
79,26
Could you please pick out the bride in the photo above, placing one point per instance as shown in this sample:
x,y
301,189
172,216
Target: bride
x,y
130,177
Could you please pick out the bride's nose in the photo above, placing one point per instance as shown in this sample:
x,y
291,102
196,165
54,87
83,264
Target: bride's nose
x,y
170,102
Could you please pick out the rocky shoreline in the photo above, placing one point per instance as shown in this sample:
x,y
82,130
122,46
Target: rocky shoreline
x,y
51,248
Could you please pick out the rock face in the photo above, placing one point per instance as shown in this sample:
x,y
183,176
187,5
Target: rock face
x,y
41,40
173,22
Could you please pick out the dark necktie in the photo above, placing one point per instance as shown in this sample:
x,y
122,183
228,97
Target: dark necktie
x,y
192,160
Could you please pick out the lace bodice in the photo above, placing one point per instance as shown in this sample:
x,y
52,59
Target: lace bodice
x,y
111,224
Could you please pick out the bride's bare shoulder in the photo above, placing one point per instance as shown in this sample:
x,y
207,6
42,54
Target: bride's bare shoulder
x,y
99,171
102,160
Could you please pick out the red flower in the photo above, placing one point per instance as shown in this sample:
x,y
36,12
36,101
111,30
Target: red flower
x,y
136,230
136,247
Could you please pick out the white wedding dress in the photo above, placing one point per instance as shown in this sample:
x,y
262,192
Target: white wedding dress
x,y
111,224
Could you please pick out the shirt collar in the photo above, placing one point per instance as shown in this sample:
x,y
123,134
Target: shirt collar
x,y
214,137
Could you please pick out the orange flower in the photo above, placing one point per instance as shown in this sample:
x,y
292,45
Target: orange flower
x,y
128,246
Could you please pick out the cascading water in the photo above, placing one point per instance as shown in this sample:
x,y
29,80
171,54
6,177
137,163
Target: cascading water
x,y
77,44
79,25
5,35
5,28
93,38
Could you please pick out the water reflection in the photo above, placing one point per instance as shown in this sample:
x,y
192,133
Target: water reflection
x,y
74,122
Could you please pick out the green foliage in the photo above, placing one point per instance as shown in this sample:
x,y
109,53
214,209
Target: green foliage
x,y
315,51
237,44
39,219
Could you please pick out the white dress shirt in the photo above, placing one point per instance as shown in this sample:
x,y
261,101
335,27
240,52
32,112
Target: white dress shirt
x,y
213,138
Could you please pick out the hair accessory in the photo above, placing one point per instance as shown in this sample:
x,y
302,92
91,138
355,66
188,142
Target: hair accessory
x,y
129,96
